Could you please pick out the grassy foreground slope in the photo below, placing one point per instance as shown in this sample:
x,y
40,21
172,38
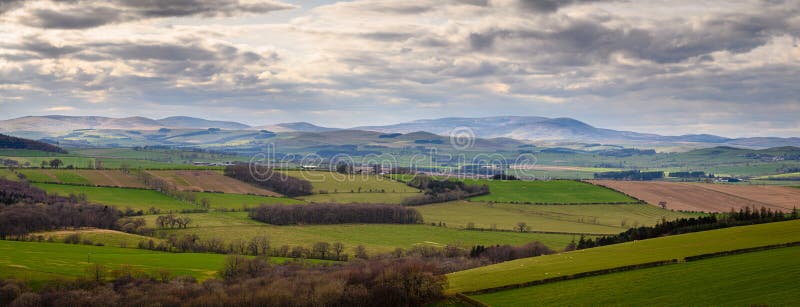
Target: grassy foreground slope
x,y
596,219
761,278
36,262
40,262
551,192
630,253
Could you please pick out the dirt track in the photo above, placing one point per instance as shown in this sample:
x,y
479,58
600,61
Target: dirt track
x,y
707,197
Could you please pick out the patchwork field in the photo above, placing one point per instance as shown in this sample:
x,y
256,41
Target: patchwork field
x,y
375,237
708,197
630,253
209,181
550,192
597,219
121,198
763,278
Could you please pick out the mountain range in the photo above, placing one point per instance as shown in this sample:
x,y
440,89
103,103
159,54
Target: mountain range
x,y
524,128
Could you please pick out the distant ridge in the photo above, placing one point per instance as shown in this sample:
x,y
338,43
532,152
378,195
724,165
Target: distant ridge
x,y
524,128
199,123
294,127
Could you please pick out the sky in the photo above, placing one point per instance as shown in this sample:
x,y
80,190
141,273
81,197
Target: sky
x,y
730,68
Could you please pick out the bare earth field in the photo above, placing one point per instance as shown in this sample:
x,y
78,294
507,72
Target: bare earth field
x,y
111,178
707,197
209,181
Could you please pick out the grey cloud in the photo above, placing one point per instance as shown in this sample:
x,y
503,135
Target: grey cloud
x,y
9,5
82,14
586,41
549,6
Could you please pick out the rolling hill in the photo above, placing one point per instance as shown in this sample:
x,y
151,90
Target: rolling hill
x,y
520,128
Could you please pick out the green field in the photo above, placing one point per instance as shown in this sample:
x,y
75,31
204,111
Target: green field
x,y
37,263
341,183
375,237
120,197
762,278
550,192
598,219
369,198
665,248
7,174
9,152
239,201
104,236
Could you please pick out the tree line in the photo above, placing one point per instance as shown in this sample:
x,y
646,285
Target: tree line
x,y
438,191
630,175
27,209
335,214
266,177
745,216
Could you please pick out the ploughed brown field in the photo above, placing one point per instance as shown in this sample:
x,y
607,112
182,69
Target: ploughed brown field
x,y
707,197
111,178
209,181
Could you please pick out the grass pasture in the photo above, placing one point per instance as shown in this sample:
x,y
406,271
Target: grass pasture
x,y
37,263
106,237
239,201
375,237
763,278
548,192
369,198
7,174
119,197
597,219
630,253
340,183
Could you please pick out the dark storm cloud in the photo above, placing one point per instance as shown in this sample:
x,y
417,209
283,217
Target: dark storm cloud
x,y
83,14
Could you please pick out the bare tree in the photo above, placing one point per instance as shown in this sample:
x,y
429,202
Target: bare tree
x,y
338,248
522,226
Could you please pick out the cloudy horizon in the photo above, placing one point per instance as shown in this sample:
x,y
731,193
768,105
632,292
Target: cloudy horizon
x,y
668,67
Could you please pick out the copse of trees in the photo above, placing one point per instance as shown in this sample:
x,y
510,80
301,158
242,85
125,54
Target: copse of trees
x,y
504,176
27,209
501,253
698,174
266,177
437,191
7,141
335,214
630,175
